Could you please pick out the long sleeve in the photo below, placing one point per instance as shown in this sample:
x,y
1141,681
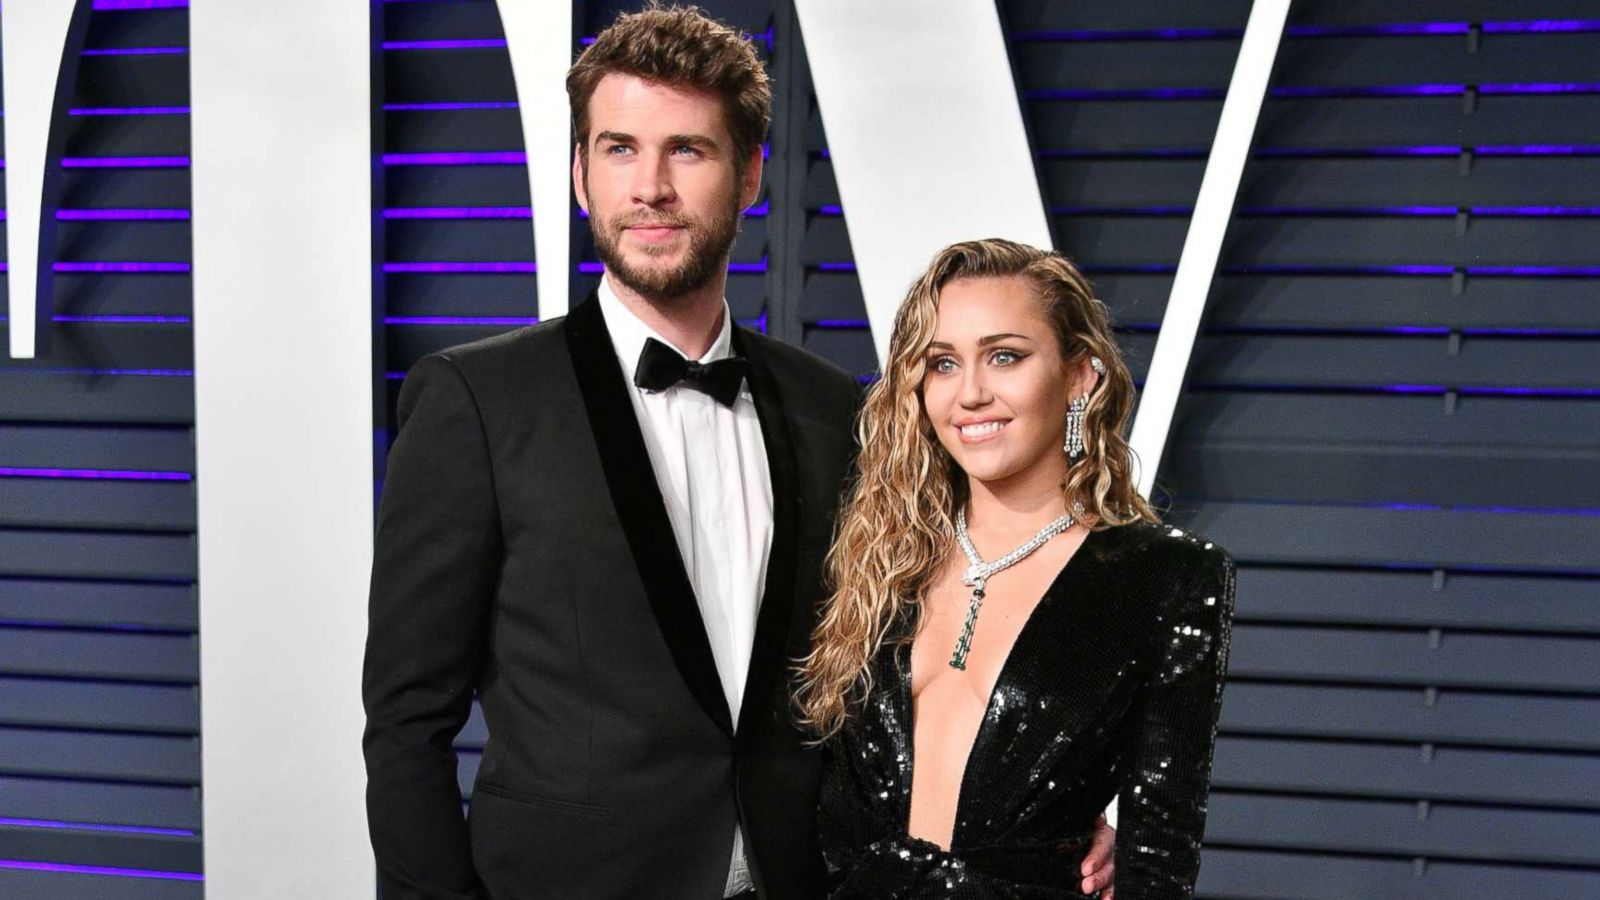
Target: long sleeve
x,y
436,564
1162,807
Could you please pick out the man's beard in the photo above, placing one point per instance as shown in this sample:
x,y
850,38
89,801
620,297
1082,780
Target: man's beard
x,y
710,241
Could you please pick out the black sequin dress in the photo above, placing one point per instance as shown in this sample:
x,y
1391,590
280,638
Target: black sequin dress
x,y
1112,689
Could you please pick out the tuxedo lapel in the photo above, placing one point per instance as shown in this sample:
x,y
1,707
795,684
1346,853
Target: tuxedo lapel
x,y
640,507
767,654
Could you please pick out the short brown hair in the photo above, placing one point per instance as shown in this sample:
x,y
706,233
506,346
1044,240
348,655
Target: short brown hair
x,y
682,47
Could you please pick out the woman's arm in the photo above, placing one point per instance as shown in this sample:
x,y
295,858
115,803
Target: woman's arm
x,y
1162,808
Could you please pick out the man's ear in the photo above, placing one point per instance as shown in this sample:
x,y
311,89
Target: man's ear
x,y
578,188
750,184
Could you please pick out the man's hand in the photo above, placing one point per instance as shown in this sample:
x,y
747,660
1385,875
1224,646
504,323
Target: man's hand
x,y
1099,872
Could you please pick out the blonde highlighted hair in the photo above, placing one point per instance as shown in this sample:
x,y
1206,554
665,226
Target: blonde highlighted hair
x,y
896,528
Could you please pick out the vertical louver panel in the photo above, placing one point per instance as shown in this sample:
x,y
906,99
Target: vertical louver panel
x,y
1390,422
99,708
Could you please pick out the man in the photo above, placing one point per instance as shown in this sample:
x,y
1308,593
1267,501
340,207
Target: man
x,y
611,527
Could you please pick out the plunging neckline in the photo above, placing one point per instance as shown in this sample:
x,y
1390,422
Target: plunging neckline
x,y
903,659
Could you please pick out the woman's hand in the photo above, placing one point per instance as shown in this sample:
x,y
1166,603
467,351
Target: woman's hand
x,y
1099,869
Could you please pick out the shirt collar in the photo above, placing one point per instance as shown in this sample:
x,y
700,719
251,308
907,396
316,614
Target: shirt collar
x,y
629,332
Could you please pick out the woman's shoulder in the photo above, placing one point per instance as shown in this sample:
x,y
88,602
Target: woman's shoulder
x,y
1170,554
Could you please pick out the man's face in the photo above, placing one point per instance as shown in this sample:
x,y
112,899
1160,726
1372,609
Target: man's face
x,y
661,185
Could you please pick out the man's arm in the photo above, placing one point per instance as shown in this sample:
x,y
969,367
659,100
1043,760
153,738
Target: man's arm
x,y
436,563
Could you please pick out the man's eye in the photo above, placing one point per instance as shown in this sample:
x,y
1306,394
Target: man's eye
x,y
686,149
617,149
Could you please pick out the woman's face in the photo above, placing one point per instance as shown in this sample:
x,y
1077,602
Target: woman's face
x,y
997,387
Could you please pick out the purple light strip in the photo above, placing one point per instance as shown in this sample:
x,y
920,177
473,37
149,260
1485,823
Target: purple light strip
x,y
121,215
1121,210
135,51
1435,389
1304,31
459,44
125,5
435,107
460,320
416,268
135,320
129,111
99,870
124,267
1425,90
836,267
479,158
458,212
125,162
841,323
91,826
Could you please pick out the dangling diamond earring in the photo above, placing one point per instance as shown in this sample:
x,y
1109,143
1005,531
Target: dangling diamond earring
x,y
1073,445
1074,442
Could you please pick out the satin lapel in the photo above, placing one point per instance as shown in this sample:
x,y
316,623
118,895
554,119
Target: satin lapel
x,y
643,513
768,654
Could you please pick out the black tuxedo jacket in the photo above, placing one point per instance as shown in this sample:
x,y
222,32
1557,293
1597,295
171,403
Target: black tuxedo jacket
x,y
524,552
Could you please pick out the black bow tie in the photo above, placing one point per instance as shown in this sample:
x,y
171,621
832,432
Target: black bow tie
x,y
661,367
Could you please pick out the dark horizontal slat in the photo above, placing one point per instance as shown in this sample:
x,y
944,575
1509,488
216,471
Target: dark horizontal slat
x,y
80,554
448,75
1411,773
1386,472
116,345
44,753
1367,419
128,136
94,504
126,188
1417,599
1130,64
99,706
1316,241
1377,12
86,654
120,81
1363,536
28,396
154,27
1032,16
441,21
1369,826
102,803
1484,661
1335,361
1265,875
1376,301
59,447
454,130
28,883
1444,716
1093,240
461,294
409,186
150,852
1529,181
1122,125
1325,122
1122,183
151,241
99,603
1438,59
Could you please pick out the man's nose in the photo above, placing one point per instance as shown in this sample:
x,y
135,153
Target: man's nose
x,y
652,181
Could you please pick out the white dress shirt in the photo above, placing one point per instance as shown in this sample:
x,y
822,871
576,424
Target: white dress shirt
x,y
711,465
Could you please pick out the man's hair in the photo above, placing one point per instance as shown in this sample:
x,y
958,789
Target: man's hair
x,y
682,47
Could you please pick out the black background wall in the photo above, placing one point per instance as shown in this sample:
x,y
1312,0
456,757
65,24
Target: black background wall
x,y
1390,419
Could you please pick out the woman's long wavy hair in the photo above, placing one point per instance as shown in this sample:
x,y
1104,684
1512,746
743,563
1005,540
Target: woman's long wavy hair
x,y
896,528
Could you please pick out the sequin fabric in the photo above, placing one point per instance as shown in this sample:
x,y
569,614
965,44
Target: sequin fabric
x,y
1112,689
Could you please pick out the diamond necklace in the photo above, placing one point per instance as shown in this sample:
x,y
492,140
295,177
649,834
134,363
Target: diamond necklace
x,y
978,573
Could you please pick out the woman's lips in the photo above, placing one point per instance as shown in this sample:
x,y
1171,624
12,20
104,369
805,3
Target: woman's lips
x,y
979,432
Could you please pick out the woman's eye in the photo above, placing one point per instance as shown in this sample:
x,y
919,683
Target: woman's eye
x,y
1005,357
942,365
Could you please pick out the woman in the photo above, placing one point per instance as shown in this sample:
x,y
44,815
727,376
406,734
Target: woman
x,y
1013,637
